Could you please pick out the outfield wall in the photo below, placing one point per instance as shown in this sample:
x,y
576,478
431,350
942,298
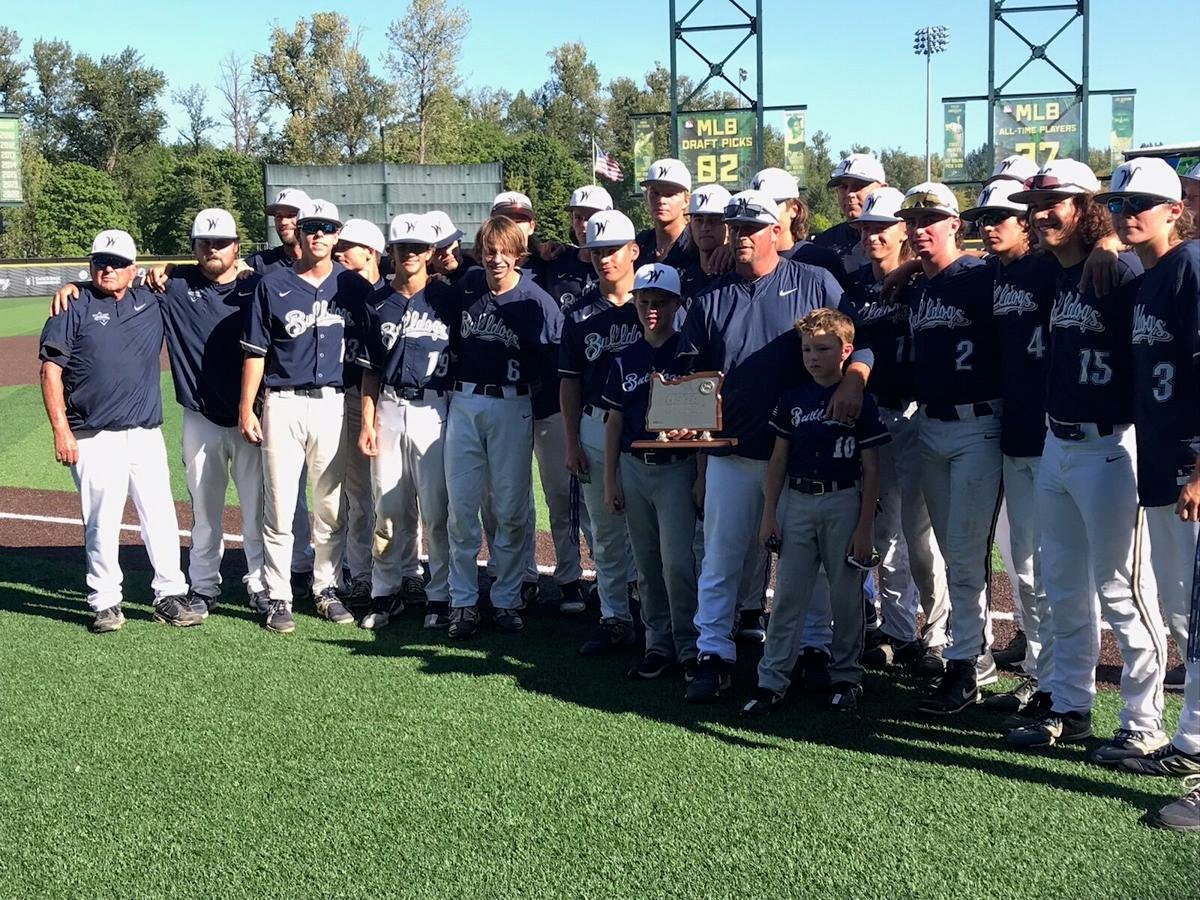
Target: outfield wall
x,y
39,277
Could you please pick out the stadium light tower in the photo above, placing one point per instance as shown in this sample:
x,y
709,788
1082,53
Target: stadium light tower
x,y
927,41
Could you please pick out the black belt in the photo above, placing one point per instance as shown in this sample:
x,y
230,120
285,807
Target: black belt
x,y
414,393
312,392
493,390
896,406
950,413
816,486
661,457
1073,431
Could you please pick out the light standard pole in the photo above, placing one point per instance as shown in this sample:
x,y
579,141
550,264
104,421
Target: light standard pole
x,y
927,41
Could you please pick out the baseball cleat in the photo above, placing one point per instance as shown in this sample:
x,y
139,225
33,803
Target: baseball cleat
x,y
711,679
985,670
1013,654
814,670
437,614
302,586
530,594
279,617
106,620
609,636
412,592
177,611
1184,813
359,595
931,663
844,696
1174,679
652,665
382,611
260,601
1012,701
751,627
957,690
1128,744
331,608
1035,710
464,622
762,703
889,651
201,604
1055,728
1167,760
571,600
508,621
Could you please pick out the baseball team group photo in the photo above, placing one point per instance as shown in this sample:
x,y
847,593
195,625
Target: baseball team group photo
x,y
421,480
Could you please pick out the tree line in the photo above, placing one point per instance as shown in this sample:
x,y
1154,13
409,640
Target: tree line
x,y
97,154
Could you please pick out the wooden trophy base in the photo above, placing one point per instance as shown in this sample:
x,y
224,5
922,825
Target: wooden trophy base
x,y
704,442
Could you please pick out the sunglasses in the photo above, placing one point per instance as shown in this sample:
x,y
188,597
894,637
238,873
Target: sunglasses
x,y
1135,204
1042,182
993,217
102,261
926,200
316,227
742,210
405,249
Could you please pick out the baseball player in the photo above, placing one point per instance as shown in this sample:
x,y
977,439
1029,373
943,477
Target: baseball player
x,y
509,333
912,574
1014,168
1086,487
100,386
957,380
571,273
598,326
793,221
653,489
706,233
295,342
359,248
1146,207
668,185
405,394
854,179
1023,291
1191,191
449,262
743,326
828,521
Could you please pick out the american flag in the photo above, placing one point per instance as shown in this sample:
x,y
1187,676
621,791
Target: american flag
x,y
605,165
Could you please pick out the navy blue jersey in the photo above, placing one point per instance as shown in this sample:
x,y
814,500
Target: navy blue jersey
x,y
746,329
693,281
679,256
356,338
843,239
407,339
628,387
304,330
822,257
567,277
594,331
508,339
205,322
823,448
1166,395
109,352
883,328
271,260
1090,376
955,345
1022,295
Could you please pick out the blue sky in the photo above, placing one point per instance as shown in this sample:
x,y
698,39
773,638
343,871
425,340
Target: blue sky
x,y
851,63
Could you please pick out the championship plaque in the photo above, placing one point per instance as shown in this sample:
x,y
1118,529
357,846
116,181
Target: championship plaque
x,y
691,404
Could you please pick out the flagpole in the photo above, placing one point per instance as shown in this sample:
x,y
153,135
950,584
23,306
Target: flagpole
x,y
594,182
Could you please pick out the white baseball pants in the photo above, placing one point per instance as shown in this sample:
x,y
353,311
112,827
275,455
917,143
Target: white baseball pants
x,y
960,478
912,573
410,478
358,499
114,465
211,453
300,431
610,534
1092,533
1020,546
490,441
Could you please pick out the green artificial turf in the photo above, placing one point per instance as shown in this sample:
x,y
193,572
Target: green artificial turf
x,y
24,316
227,762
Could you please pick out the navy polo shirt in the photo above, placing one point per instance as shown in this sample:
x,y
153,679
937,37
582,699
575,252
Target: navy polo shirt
x,y
270,260
1090,377
567,277
205,322
955,343
628,387
594,331
109,352
882,327
1166,350
506,339
815,255
1021,299
407,339
746,329
303,329
821,448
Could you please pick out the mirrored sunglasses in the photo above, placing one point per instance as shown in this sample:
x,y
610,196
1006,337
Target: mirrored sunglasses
x,y
925,200
313,226
993,217
1134,204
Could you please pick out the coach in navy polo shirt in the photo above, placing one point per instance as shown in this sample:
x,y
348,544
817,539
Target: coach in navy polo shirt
x,y
100,384
295,345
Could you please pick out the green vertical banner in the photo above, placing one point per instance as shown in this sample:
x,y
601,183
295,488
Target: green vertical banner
x,y
718,147
643,148
954,166
1120,138
10,161
793,143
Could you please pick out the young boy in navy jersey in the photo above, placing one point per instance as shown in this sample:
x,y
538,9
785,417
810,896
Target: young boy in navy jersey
x,y
653,489
827,519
